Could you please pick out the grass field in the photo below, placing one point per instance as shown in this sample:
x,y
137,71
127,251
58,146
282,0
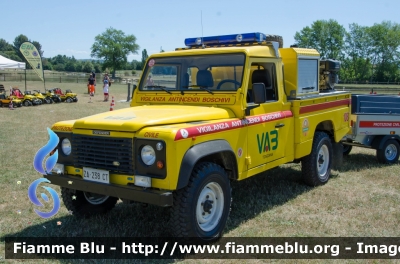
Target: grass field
x,y
360,200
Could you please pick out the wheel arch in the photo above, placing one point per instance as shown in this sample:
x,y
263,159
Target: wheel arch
x,y
326,126
216,151
379,141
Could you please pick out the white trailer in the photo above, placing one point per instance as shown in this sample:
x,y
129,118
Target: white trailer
x,y
375,122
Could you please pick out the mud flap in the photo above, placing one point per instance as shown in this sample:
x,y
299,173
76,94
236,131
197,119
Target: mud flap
x,y
337,160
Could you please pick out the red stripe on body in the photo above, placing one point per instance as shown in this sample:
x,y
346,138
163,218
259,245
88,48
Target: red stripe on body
x,y
229,125
377,124
323,106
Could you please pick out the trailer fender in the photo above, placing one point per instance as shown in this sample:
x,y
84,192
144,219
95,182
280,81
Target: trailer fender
x,y
378,141
202,150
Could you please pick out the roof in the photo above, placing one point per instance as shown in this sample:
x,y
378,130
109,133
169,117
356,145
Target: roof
x,y
7,63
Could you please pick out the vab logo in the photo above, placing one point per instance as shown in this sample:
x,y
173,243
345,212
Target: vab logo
x,y
38,165
267,141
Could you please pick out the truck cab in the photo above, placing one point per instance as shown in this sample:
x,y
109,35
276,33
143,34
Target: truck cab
x,y
222,109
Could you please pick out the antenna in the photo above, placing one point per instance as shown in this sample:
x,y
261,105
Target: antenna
x,y
201,21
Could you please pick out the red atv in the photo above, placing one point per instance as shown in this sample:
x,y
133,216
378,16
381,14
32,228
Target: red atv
x,y
68,97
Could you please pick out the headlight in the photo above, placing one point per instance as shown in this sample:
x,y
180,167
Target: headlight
x,y
66,146
148,155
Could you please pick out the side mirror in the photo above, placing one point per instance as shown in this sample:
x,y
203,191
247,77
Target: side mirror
x,y
259,94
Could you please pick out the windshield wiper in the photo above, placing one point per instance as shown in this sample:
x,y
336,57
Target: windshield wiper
x,y
158,86
205,88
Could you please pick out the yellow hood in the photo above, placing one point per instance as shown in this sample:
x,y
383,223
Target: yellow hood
x,y
134,118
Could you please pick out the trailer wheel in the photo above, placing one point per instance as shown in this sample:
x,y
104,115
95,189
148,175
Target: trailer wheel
x,y
201,209
85,204
316,167
389,154
347,149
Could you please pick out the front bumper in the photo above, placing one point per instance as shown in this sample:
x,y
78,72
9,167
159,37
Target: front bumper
x,y
134,193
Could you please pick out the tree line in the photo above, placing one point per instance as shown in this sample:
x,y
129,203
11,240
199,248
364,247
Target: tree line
x,y
110,49
367,54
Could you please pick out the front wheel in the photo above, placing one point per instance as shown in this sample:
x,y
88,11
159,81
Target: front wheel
x,y
389,154
201,209
85,204
316,167
69,100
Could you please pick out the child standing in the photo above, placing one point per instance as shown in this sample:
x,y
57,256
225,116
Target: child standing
x,y
105,89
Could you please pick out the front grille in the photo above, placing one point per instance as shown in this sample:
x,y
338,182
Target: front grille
x,y
101,152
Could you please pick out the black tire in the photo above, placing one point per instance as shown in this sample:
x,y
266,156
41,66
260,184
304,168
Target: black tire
x,y
15,105
76,99
347,149
389,154
276,38
192,212
316,167
1,104
78,202
68,100
27,103
47,100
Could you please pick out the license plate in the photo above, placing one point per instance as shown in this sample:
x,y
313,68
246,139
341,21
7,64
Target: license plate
x,y
95,175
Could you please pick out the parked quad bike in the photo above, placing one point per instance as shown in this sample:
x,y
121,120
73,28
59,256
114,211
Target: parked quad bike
x,y
5,101
54,97
68,97
42,96
27,99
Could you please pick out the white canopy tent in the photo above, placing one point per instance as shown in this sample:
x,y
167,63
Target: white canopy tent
x,y
10,64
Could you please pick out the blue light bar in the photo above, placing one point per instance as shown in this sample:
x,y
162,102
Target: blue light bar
x,y
226,39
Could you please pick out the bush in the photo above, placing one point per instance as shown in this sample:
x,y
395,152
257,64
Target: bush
x,y
133,72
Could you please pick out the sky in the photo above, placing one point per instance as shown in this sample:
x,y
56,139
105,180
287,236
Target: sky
x,y
69,27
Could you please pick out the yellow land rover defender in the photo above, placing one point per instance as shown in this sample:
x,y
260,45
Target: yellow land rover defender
x,y
222,109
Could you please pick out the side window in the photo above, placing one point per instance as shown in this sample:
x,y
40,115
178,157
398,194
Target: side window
x,y
264,73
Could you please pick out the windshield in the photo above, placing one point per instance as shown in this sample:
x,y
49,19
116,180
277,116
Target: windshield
x,y
211,73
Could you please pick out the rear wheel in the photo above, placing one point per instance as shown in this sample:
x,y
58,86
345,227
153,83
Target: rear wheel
x,y
85,204
316,167
347,149
389,154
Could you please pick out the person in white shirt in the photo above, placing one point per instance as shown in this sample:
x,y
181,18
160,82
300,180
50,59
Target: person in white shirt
x,y
105,88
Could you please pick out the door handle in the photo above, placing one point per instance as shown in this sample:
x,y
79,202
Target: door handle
x,y
279,125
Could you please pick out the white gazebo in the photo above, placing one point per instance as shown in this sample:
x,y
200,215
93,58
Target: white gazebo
x,y
10,64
